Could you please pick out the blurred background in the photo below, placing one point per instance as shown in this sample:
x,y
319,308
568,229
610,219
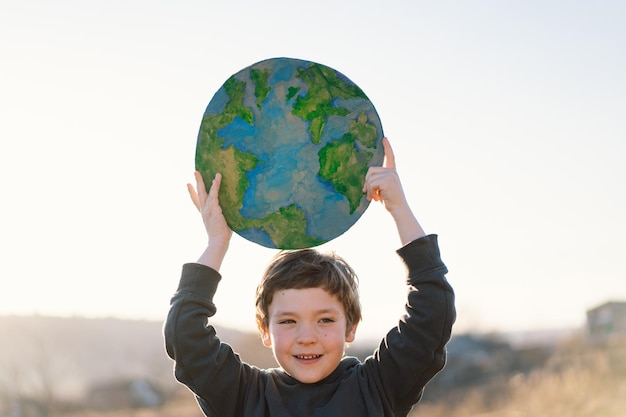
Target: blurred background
x,y
507,123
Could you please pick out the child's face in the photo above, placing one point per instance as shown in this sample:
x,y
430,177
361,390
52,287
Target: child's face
x,y
307,332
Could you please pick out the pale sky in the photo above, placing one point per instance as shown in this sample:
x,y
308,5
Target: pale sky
x,y
507,118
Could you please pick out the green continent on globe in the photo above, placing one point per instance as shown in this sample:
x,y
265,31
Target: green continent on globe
x,y
233,164
291,92
287,226
316,106
261,88
364,131
345,167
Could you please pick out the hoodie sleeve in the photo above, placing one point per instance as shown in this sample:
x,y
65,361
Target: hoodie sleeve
x,y
206,366
414,351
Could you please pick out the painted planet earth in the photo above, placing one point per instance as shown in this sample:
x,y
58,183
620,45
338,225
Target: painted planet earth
x,y
293,140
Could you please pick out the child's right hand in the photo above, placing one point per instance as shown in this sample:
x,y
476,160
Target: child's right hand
x,y
208,204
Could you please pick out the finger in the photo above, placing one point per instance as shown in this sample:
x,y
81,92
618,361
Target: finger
x,y
200,187
390,159
372,187
199,181
371,173
201,191
194,196
215,187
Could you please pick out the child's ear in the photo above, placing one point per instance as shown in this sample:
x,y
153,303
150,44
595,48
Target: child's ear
x,y
351,334
265,334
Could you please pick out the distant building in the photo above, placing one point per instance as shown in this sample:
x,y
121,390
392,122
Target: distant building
x,y
607,322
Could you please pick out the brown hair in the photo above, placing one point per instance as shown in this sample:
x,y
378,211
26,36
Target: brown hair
x,y
308,268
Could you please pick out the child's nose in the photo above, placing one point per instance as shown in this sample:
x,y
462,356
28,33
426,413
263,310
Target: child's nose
x,y
306,334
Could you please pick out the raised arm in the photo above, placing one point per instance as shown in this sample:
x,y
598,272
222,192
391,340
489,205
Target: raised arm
x,y
413,351
205,365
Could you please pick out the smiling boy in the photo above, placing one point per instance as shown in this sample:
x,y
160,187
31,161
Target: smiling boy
x,y
307,310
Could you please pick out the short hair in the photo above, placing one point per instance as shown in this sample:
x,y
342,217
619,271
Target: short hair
x,y
309,268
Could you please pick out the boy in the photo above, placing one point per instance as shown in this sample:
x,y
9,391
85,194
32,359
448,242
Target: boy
x,y
307,309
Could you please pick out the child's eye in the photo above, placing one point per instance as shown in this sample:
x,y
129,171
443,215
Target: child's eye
x,y
286,321
327,320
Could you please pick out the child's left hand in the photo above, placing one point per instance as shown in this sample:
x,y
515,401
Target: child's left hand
x,y
383,183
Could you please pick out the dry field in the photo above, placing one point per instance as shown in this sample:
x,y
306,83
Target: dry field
x,y
577,381
182,406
